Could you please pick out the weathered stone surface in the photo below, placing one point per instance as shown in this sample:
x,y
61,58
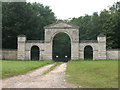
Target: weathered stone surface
x,y
21,47
101,47
94,47
9,54
113,54
77,47
61,25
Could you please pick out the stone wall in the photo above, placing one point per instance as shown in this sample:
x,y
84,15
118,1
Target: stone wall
x,y
113,54
29,44
93,44
101,47
61,27
21,47
9,54
77,47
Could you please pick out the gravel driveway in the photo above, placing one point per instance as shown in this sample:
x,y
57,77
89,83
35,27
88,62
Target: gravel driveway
x,y
35,79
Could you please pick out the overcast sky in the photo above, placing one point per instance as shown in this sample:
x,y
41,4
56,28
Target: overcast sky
x,y
65,9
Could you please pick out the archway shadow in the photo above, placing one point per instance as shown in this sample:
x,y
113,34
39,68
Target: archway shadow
x,y
35,53
61,51
88,53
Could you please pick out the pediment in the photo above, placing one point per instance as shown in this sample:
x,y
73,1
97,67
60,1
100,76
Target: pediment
x,y
61,25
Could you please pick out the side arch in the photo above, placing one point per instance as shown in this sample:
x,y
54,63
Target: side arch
x,y
35,53
88,52
94,50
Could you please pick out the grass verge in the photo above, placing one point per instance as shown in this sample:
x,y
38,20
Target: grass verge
x,y
99,74
11,68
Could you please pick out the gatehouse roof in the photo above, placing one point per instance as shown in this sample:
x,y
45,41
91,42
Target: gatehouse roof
x,y
61,25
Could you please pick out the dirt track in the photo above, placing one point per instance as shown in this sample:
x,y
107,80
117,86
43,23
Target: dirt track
x,y
35,79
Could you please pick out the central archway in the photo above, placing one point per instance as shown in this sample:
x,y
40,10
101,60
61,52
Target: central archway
x,y
61,47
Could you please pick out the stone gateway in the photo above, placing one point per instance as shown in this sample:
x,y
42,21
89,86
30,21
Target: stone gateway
x,y
77,46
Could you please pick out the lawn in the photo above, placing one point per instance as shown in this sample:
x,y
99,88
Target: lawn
x,y
10,68
98,74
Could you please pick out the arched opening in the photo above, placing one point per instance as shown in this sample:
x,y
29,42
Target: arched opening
x,y
88,53
35,53
61,49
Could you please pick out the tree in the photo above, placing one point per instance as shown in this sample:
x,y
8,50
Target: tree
x,y
88,26
24,18
107,22
110,25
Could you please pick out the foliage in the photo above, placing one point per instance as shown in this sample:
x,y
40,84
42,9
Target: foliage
x,y
24,18
99,74
10,68
108,22
30,18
